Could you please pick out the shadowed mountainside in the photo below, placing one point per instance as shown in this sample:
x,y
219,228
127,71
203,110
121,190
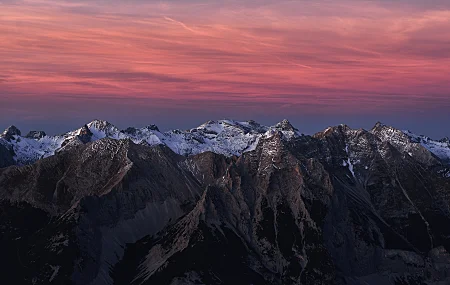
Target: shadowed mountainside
x,y
341,207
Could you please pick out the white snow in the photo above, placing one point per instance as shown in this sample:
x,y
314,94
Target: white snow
x,y
438,148
226,137
348,162
27,149
350,167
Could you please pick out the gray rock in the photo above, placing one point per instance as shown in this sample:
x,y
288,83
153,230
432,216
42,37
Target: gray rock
x,y
36,134
10,132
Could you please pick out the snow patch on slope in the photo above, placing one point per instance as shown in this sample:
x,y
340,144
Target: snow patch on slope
x,y
348,162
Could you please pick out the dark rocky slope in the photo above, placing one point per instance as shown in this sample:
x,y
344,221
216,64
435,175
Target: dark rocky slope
x,y
341,207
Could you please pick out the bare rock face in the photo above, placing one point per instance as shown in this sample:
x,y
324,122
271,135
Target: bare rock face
x,y
253,224
94,199
445,140
36,135
12,131
285,125
392,199
6,154
344,207
85,134
341,207
403,143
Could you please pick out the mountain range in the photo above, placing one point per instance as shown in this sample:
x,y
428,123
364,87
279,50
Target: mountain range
x,y
225,137
227,202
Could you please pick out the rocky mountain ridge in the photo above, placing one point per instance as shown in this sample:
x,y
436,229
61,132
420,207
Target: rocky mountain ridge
x,y
226,137
343,206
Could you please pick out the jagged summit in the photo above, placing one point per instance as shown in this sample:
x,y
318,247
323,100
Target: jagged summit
x,y
35,134
85,134
153,127
99,123
228,137
285,125
101,129
339,129
445,140
378,125
11,131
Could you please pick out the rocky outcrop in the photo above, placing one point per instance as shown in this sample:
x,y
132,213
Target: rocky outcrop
x,y
85,134
285,125
10,132
36,135
402,142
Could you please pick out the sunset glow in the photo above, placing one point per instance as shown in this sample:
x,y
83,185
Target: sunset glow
x,y
339,57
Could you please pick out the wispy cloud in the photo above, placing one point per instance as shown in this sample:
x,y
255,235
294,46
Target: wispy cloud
x,y
182,25
338,54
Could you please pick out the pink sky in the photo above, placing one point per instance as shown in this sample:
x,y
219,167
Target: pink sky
x,y
300,56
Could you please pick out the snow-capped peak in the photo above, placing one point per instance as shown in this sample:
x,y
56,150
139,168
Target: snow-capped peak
x,y
439,148
285,125
101,129
11,131
226,137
